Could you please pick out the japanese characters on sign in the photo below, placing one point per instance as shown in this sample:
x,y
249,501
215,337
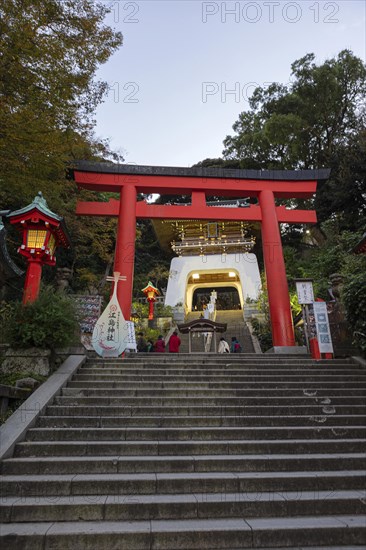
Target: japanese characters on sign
x,y
322,327
110,335
305,292
131,343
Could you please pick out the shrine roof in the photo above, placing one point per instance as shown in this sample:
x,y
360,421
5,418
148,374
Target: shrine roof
x,y
39,203
230,173
202,325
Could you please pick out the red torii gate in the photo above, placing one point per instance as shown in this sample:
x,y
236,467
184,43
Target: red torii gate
x,y
129,180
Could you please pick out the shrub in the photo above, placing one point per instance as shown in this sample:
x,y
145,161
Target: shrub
x,y
354,299
49,322
263,332
163,311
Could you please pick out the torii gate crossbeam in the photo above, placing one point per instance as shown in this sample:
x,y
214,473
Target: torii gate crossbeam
x,y
129,180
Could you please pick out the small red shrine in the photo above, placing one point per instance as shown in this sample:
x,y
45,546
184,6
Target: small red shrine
x,y
43,231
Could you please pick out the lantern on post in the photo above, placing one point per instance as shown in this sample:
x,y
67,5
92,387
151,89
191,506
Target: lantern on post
x,y
43,231
151,292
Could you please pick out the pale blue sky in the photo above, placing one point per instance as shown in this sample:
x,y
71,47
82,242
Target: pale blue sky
x,y
170,102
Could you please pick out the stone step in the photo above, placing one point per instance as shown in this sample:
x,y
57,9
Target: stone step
x,y
202,358
181,506
207,411
173,483
210,392
203,451
273,400
195,433
157,448
188,534
170,361
201,421
208,375
219,385
184,463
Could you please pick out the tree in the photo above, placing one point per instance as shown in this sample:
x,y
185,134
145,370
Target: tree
x,y
316,121
50,51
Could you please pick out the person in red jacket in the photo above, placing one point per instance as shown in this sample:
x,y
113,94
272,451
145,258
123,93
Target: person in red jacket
x,y
159,345
174,342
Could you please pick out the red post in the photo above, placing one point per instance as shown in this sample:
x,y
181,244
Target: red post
x,y
125,247
151,310
314,349
278,295
32,281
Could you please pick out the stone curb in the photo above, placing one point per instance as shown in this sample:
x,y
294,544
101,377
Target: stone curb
x,y
256,344
15,428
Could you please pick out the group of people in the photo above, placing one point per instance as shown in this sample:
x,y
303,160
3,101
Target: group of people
x,y
224,347
144,346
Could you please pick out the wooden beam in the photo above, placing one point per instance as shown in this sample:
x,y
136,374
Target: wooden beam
x,y
185,185
197,211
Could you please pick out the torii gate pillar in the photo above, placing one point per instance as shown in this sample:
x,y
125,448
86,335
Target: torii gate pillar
x,y
278,295
125,246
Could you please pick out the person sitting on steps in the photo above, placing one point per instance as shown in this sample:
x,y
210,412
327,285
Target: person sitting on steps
x,y
223,346
235,345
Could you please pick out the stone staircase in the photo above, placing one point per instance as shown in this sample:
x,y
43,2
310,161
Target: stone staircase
x,y
193,452
235,327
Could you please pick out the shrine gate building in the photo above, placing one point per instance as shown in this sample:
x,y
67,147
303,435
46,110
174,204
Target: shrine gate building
x,y
230,186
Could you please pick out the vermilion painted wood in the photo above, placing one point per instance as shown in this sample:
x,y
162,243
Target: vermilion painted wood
x,y
278,295
270,215
124,260
184,185
169,212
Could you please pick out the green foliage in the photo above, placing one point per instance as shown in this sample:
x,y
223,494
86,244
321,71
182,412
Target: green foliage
x,y
263,304
49,322
50,53
354,299
142,309
151,262
151,334
334,255
316,121
294,302
10,379
51,50
263,332
5,315
163,311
